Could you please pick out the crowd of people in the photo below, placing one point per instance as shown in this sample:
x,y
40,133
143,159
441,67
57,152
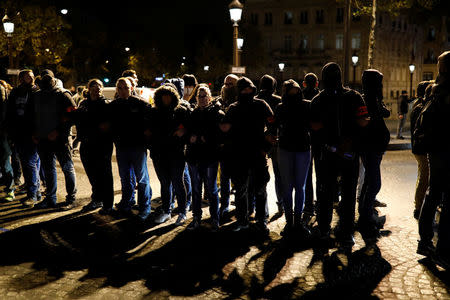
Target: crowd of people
x,y
194,138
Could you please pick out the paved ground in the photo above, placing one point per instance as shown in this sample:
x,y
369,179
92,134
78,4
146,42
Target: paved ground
x,y
52,254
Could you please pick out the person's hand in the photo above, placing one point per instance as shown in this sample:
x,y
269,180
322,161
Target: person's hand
x,y
193,139
225,127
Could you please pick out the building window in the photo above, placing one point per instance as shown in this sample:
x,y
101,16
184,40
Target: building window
x,y
339,41
303,42
268,18
288,43
304,17
254,19
356,40
288,17
340,15
321,42
319,16
426,76
392,94
431,34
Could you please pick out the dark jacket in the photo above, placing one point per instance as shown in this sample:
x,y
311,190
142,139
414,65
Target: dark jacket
x,y
16,120
164,122
292,122
128,121
376,135
248,117
204,124
403,105
49,110
267,89
309,93
92,121
440,97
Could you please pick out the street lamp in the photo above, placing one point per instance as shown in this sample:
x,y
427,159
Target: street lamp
x,y
235,8
206,68
281,68
8,26
412,67
355,59
64,11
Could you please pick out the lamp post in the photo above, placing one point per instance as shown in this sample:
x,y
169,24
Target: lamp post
x,y
8,26
355,59
235,8
412,67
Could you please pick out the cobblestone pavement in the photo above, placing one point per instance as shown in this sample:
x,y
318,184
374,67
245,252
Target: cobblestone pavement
x,y
52,254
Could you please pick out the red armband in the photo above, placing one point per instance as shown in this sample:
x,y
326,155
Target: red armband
x,y
361,111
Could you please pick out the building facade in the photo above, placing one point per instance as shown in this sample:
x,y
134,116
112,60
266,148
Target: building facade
x,y
306,34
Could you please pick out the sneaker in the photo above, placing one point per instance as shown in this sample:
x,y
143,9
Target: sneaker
x,y
30,202
302,231
400,137
240,227
162,218
9,196
378,203
68,205
181,219
18,182
443,261
426,249
45,204
105,211
195,224
91,206
143,215
262,228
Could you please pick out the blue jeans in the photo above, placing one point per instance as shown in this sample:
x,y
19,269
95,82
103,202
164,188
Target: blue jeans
x,y
5,164
170,172
294,168
48,152
31,164
206,173
133,160
371,186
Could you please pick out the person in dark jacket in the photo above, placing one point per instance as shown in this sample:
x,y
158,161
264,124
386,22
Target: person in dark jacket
x,y
292,122
190,82
267,88
168,139
48,113
310,90
374,143
402,112
338,115
246,120
438,148
20,135
5,149
128,125
94,133
423,170
203,155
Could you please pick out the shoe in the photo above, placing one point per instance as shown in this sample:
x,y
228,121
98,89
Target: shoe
x,y
302,231
106,211
215,226
224,214
280,208
443,261
240,227
344,239
9,196
380,221
91,206
416,214
45,204
68,205
195,224
181,219
400,137
378,203
162,218
123,212
143,215
287,230
30,202
426,249
18,183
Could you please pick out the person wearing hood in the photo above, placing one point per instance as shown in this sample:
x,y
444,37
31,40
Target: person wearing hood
x,y
48,113
294,154
168,124
310,90
19,133
94,133
436,128
227,96
128,124
203,155
267,88
338,115
423,170
190,82
246,120
373,145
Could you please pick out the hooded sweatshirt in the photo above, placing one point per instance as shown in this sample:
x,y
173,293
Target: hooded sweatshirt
x,y
267,88
248,117
292,120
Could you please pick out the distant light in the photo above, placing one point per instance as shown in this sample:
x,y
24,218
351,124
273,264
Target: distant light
x,y
64,11
127,49
412,68
159,78
355,59
182,64
240,43
281,66
209,83
206,68
184,57
48,50
107,62
164,75
106,80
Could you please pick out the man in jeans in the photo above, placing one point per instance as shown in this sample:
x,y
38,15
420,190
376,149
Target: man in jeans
x,y
5,150
48,112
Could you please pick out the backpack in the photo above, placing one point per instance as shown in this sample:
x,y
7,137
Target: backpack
x,y
423,130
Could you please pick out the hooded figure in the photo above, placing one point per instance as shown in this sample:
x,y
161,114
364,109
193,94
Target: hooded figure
x,y
338,114
310,83
267,88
